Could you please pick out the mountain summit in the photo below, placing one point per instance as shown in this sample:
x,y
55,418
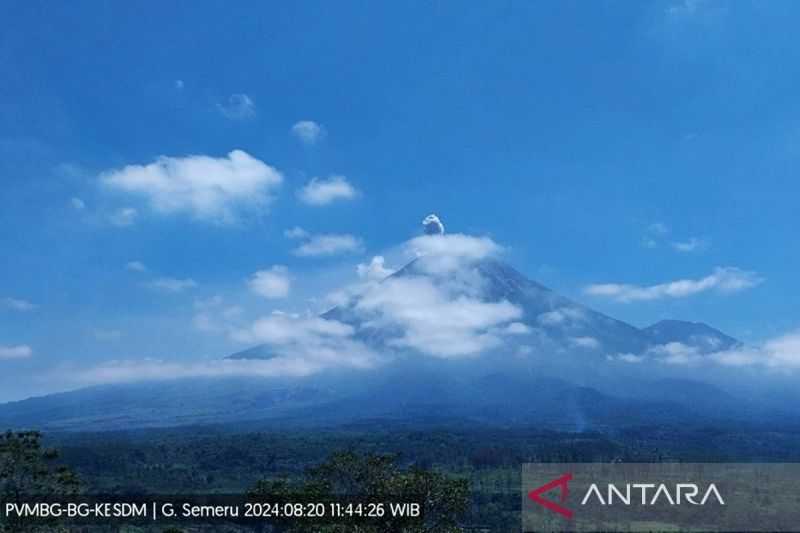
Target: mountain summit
x,y
469,340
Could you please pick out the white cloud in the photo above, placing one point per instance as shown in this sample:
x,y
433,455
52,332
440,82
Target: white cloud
x,y
126,371
444,253
658,228
433,321
308,131
626,358
374,270
296,233
205,187
322,245
433,225
585,342
16,304
172,284
212,315
517,328
320,192
692,245
559,316
136,266
317,342
723,280
21,351
124,216
238,107
782,353
271,284
77,203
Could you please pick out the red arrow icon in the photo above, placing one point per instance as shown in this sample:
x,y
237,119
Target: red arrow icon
x,y
563,482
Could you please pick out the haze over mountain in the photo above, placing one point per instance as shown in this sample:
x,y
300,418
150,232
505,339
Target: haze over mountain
x,y
523,354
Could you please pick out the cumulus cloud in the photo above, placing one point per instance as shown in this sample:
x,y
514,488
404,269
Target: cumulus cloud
x,y
21,351
723,280
444,253
205,187
238,107
374,270
272,284
135,266
326,245
172,285
308,131
16,304
782,352
319,192
432,225
317,342
123,217
430,320
517,328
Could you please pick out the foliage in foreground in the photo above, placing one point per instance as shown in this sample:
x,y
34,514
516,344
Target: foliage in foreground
x,y
446,499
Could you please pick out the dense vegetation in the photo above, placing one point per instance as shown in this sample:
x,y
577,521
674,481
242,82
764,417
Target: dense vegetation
x,y
482,464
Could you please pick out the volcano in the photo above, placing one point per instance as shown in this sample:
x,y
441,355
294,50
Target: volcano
x,y
551,365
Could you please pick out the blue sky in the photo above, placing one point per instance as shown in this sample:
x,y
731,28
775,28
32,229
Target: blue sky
x,y
624,143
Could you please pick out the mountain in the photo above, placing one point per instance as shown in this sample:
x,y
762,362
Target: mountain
x,y
563,377
694,334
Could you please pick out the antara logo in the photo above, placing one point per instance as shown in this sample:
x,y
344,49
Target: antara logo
x,y
629,494
563,483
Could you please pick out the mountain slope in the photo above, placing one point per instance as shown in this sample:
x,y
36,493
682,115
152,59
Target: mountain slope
x,y
554,374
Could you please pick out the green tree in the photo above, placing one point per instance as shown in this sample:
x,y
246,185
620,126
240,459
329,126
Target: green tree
x,y
445,499
27,468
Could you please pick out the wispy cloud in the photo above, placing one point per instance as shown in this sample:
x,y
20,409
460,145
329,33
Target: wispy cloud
x,y
319,192
723,280
21,351
172,285
77,203
17,304
126,371
692,245
238,107
123,217
205,187
136,266
308,131
326,245
272,284
295,233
